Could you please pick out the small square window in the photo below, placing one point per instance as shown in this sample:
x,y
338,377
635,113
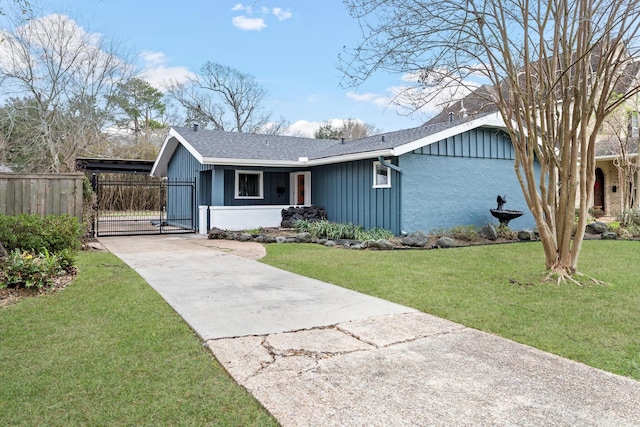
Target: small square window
x,y
248,185
381,176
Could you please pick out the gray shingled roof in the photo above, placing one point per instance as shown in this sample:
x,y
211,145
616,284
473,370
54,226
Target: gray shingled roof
x,y
233,145
611,147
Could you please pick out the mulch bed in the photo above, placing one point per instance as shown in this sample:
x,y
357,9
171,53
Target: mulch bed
x,y
10,296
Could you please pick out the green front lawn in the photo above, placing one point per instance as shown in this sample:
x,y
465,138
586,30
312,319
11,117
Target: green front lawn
x,y
108,351
498,289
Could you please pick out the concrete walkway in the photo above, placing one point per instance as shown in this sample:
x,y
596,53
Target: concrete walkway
x,y
315,354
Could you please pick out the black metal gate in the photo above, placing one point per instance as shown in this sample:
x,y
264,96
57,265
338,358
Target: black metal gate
x,y
143,205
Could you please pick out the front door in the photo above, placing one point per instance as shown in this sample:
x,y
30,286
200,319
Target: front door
x,y
300,188
598,190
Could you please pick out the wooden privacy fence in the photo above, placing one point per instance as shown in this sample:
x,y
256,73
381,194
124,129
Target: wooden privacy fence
x,y
43,194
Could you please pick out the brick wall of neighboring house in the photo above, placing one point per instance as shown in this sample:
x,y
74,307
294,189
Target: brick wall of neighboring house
x,y
613,200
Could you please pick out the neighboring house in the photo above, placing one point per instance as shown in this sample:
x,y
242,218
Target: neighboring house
x,y
435,176
608,193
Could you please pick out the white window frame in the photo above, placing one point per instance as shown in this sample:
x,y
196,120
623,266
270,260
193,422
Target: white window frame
x,y
260,184
377,165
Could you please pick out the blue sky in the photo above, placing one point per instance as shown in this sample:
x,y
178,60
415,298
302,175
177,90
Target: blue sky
x,y
290,46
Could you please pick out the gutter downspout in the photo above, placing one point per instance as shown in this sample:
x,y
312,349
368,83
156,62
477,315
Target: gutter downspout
x,y
389,165
399,170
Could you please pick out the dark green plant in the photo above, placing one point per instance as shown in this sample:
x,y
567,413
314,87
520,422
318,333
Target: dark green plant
x,y
30,232
332,230
28,270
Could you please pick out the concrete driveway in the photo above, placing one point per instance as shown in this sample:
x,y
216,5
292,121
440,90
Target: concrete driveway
x,y
315,354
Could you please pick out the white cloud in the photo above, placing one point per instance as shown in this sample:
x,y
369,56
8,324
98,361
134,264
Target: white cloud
x,y
303,128
248,24
281,14
240,6
158,74
376,99
430,95
307,129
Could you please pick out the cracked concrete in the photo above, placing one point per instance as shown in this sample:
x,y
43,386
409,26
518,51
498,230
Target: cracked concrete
x,y
314,354
416,369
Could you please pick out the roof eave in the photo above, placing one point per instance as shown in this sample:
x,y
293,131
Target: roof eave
x,y
166,152
296,163
493,119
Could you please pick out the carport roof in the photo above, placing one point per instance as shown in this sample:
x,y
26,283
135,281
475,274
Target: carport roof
x,y
97,165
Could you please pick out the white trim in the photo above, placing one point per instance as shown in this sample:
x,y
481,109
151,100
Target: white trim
x,y
293,188
236,192
375,175
493,119
245,217
168,148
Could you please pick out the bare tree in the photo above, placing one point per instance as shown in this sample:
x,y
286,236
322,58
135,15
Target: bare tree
x,y
65,74
552,66
226,99
349,129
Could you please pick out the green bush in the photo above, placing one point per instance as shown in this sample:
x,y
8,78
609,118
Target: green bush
x,y
28,270
55,233
467,233
630,218
332,230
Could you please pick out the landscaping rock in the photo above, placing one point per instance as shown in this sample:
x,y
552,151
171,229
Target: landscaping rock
x,y
259,238
381,244
308,213
303,238
448,242
597,228
526,235
417,239
281,239
291,240
270,239
488,232
216,233
608,235
245,237
330,243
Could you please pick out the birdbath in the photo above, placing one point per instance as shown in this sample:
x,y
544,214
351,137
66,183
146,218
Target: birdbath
x,y
504,215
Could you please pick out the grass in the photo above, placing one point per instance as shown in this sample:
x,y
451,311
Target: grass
x,y
107,350
498,289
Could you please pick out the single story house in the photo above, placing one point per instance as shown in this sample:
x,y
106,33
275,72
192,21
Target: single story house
x,y
435,176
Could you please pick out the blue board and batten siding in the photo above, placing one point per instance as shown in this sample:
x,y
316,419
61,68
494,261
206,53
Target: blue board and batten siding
x,y
346,191
456,181
275,188
184,166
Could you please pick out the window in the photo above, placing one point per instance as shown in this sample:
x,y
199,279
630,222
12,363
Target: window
x,y
381,176
248,185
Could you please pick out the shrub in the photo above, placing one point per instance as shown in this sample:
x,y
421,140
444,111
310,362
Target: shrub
x,y
468,233
630,218
28,270
332,230
33,233
504,232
